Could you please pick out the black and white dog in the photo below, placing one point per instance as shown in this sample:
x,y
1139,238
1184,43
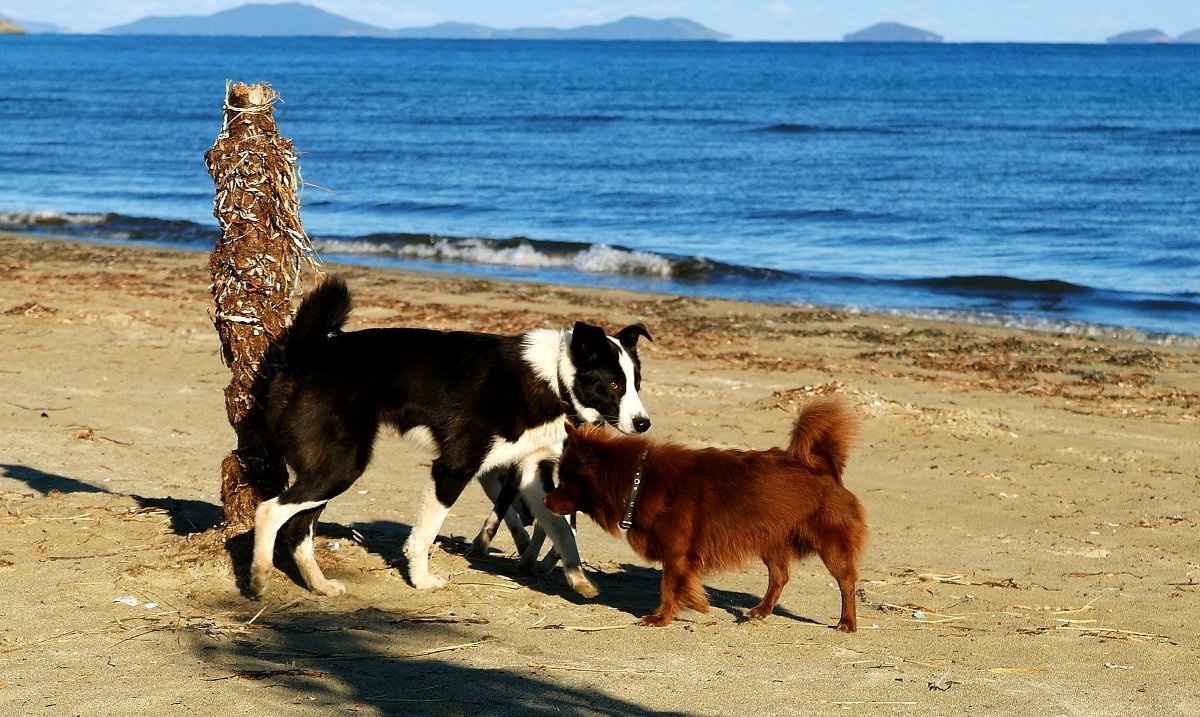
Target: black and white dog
x,y
481,402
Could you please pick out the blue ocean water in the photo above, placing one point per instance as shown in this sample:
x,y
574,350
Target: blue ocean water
x,y
1052,186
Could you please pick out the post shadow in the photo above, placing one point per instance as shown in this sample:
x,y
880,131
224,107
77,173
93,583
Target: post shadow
x,y
186,516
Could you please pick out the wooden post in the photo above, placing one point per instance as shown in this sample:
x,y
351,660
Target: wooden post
x,y
255,266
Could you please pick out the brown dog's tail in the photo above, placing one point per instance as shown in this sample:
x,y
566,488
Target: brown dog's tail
x,y
825,428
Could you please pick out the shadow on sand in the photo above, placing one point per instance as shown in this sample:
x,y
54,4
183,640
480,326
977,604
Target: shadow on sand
x,y
186,516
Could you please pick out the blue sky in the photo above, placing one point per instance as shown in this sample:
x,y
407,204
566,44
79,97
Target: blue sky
x,y
956,20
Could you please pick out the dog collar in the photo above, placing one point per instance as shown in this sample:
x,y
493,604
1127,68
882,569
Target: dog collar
x,y
627,519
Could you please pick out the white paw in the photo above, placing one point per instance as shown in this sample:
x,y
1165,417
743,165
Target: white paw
x,y
258,580
427,581
580,584
330,588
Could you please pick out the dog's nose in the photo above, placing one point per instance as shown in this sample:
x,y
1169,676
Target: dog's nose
x,y
641,424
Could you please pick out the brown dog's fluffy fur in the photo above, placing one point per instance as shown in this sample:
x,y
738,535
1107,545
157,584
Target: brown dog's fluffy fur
x,y
703,510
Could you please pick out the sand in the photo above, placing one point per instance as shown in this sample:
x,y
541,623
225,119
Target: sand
x,y
1032,501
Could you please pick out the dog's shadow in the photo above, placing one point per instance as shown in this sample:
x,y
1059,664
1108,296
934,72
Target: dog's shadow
x,y
635,589
630,588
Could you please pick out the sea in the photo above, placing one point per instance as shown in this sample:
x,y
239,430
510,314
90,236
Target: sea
x,y
1050,187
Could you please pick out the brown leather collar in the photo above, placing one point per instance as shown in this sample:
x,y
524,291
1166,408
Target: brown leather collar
x,y
627,519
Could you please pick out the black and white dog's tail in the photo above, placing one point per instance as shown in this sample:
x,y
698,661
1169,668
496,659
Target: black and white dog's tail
x,y
321,313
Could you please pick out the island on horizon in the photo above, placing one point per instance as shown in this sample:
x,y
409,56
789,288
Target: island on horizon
x,y
892,32
1140,37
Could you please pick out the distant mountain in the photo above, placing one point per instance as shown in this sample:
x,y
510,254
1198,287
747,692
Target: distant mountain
x,y
1190,37
1140,37
254,19
628,28
892,32
41,28
293,18
447,31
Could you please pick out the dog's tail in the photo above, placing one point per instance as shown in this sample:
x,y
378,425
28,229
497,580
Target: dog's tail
x,y
323,312
825,428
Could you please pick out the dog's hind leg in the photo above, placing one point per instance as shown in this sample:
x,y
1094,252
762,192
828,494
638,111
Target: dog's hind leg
x,y
529,556
319,476
778,563
840,558
535,548
270,516
501,492
300,531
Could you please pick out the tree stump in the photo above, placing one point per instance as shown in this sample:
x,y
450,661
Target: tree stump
x,y
255,268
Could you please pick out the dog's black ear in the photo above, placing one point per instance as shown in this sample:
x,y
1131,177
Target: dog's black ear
x,y
629,335
587,342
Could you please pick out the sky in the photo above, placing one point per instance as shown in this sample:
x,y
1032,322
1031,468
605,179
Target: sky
x,y
773,20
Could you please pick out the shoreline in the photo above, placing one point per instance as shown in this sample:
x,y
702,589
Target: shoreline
x,y
508,273
1031,502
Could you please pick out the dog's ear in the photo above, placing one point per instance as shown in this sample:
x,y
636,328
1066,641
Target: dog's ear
x,y
572,431
629,335
587,342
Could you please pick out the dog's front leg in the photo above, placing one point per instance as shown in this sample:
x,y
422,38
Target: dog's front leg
x,y
559,530
680,588
432,509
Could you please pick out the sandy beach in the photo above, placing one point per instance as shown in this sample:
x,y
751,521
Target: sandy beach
x,y
1031,498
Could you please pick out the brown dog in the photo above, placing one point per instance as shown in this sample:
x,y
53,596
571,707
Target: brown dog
x,y
702,510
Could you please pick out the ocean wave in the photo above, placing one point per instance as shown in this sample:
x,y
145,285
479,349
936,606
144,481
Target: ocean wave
x,y
1002,285
518,252
1045,304
21,220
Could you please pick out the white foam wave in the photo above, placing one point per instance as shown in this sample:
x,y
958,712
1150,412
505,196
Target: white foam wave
x,y
47,217
596,259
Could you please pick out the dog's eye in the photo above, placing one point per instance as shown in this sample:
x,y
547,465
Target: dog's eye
x,y
614,385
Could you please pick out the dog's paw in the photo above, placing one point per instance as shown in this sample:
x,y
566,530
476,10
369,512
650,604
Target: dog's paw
x,y
759,613
580,584
656,620
258,582
330,588
847,626
427,581
479,548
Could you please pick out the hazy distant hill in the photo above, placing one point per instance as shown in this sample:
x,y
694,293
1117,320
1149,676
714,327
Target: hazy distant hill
x,y
629,28
1190,37
1140,37
892,32
254,19
447,31
299,19
41,28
